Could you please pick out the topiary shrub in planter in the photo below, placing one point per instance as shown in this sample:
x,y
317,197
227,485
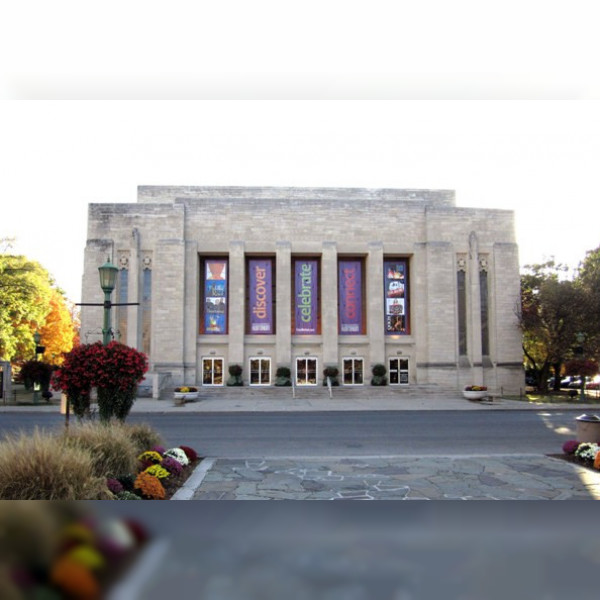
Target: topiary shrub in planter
x,y
283,377
332,372
235,376
379,371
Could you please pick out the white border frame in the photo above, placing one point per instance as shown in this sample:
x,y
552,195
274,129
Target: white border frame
x,y
399,358
251,358
316,371
213,358
353,358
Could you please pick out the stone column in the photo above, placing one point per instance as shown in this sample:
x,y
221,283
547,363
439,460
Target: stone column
x,y
374,303
329,304
167,301
134,312
191,311
237,302
283,320
474,311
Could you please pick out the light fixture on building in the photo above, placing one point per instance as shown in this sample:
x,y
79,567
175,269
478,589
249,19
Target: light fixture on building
x,y
108,280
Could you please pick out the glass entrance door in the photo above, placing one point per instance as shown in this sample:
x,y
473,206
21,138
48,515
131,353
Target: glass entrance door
x,y
398,371
260,371
212,371
306,371
353,371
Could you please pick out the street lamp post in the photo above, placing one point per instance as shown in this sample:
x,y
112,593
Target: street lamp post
x,y
108,279
37,338
580,340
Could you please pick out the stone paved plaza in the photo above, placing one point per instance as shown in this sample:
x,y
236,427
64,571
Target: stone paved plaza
x,y
507,477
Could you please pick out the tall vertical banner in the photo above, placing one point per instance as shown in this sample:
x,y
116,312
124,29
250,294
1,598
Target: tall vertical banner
x,y
261,296
306,298
215,296
350,296
394,293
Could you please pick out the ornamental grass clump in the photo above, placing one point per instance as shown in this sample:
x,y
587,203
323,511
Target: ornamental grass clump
x,y
112,450
41,466
143,436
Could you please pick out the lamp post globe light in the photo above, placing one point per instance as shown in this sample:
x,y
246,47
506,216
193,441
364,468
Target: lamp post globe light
x,y
108,279
580,340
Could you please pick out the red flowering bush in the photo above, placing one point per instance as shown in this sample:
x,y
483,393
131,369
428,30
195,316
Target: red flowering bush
x,y
115,370
189,452
582,367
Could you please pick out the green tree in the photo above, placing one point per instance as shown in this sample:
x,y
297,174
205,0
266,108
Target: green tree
x,y
588,279
551,315
25,292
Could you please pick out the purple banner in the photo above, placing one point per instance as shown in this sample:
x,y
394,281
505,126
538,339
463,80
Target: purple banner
x,y
215,296
261,297
305,297
350,289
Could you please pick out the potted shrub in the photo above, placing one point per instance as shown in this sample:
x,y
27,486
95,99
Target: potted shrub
x,y
235,376
475,392
379,371
332,372
283,377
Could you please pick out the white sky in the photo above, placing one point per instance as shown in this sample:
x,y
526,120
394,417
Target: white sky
x,y
498,101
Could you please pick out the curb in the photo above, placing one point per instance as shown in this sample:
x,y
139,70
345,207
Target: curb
x,y
192,483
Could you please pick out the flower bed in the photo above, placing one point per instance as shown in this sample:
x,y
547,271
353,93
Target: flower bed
x,y
161,473
61,550
586,454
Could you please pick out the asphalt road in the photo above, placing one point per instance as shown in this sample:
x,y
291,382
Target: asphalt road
x,y
418,433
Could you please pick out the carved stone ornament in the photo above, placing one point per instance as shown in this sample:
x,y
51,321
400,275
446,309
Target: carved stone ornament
x,y
147,262
483,262
124,261
461,262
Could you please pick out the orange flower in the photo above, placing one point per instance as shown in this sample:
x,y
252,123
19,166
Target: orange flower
x,y
150,486
597,461
74,579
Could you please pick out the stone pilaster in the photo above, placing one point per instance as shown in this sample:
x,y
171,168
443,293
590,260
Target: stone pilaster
x,y
283,324
237,302
329,303
374,303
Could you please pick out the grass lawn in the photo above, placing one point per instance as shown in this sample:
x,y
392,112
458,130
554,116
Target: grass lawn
x,y
562,397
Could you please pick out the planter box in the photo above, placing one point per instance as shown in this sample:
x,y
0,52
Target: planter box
x,y
182,397
475,395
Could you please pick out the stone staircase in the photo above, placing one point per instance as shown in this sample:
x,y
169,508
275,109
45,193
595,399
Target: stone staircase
x,y
322,392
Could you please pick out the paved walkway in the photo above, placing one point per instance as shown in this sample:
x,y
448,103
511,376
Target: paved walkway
x,y
505,477
246,400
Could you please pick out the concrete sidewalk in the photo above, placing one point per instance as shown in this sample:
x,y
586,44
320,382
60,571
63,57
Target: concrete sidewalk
x,y
314,399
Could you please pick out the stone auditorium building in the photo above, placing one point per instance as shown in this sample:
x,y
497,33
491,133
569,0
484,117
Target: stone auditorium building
x,y
308,278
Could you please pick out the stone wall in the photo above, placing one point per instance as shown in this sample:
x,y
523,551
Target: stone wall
x,y
170,228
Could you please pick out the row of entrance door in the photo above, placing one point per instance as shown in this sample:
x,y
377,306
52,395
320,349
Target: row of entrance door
x,y
306,371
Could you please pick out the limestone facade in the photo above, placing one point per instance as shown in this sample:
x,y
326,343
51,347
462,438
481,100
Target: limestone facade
x,y
458,290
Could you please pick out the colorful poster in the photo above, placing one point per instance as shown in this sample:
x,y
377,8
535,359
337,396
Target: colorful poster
x,y
395,296
350,297
260,297
215,296
306,305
